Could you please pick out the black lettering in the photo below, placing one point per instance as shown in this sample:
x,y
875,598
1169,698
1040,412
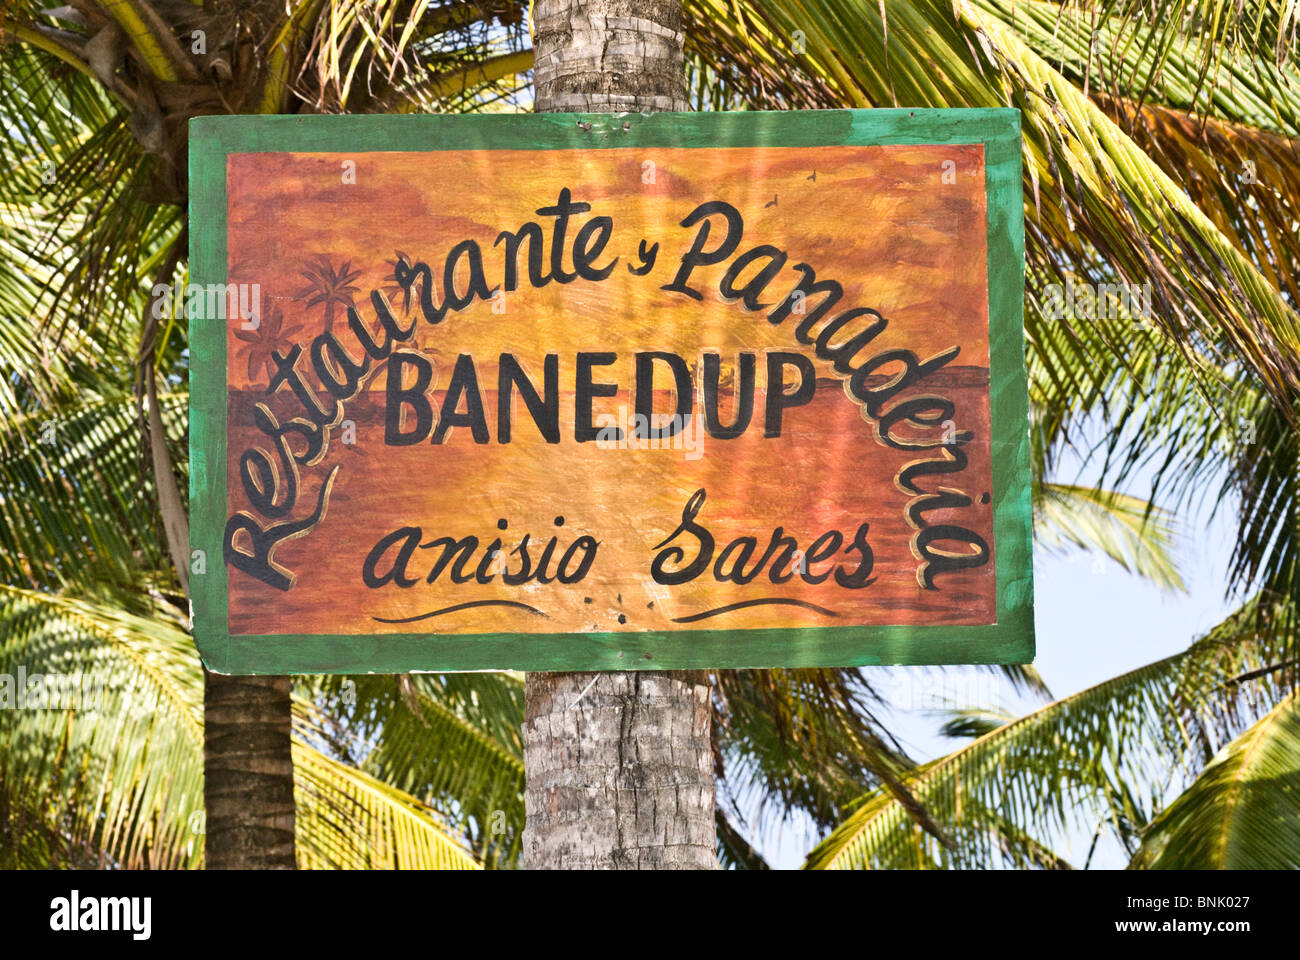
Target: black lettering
x,y
585,391
749,293
584,252
477,286
464,384
861,577
260,564
645,376
397,571
397,398
533,234
819,550
744,397
339,373
777,399
588,545
697,256
562,211
675,555
545,413
462,550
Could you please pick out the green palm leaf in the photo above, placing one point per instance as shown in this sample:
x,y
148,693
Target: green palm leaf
x,y
115,778
348,820
121,773
1091,193
452,740
73,510
1073,761
1129,530
1243,811
799,740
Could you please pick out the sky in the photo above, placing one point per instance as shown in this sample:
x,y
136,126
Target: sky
x,y
1093,621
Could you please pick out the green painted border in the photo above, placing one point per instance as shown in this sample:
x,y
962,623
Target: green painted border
x,y
1010,640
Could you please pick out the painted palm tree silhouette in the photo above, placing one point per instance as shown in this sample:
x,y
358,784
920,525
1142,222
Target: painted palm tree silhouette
x,y
329,287
269,336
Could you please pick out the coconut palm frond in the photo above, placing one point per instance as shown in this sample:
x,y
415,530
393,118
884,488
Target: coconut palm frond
x,y
1090,192
451,740
1089,756
348,820
1129,530
73,509
799,740
1243,811
101,753
110,761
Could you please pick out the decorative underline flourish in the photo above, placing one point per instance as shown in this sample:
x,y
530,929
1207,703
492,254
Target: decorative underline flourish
x,y
755,603
466,606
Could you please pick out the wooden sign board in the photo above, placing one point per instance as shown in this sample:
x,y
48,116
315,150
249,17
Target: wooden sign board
x,y
606,393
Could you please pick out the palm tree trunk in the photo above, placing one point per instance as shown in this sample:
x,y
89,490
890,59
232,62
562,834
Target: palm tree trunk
x,y
619,776
247,773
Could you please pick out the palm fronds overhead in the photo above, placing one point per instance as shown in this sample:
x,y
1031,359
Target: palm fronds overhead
x,y
118,770
452,740
1243,811
1104,755
1091,193
349,820
1127,529
103,766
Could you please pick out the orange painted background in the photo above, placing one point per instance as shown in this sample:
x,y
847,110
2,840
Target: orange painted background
x,y
884,222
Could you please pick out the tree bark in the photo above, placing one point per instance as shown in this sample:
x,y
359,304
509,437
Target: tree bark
x,y
619,770
608,56
247,773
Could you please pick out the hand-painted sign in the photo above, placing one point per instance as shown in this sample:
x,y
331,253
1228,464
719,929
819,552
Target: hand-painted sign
x,y
557,392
